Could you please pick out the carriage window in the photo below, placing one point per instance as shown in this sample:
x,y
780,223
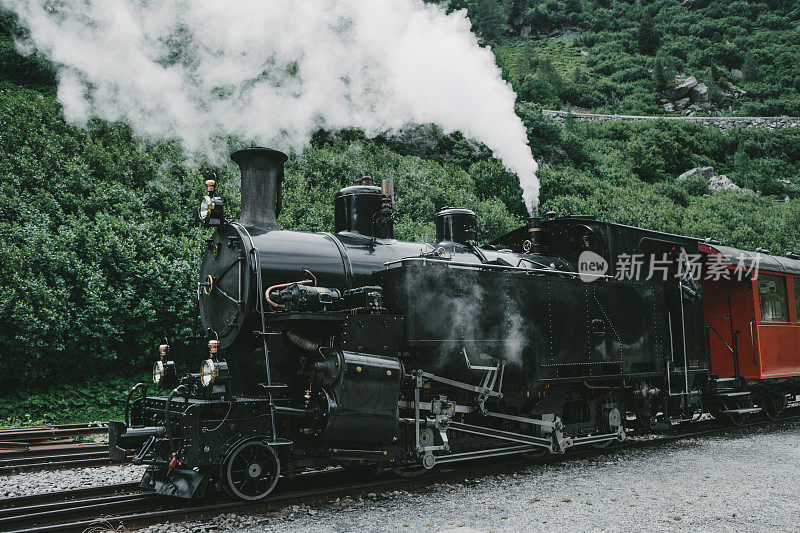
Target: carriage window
x,y
772,295
797,297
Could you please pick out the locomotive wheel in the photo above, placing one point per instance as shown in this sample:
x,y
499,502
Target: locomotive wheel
x,y
251,471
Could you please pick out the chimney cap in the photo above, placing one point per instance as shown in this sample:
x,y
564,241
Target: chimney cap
x,y
445,211
358,190
239,154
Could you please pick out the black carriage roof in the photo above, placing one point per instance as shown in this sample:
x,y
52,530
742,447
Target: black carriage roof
x,y
731,256
522,232
764,261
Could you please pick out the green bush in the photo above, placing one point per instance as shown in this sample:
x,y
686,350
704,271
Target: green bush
x,y
694,185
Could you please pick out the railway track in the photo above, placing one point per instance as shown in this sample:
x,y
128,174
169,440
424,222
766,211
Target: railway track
x,y
28,449
125,505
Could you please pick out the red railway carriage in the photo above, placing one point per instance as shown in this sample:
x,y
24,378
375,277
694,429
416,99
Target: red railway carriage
x,y
751,303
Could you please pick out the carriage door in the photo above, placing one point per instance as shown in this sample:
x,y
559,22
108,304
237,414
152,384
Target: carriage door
x,y
663,265
721,322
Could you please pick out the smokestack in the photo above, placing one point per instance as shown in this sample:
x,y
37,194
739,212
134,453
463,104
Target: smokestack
x,y
535,234
262,186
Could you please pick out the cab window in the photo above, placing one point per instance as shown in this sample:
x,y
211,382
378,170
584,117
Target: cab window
x,y
797,297
772,297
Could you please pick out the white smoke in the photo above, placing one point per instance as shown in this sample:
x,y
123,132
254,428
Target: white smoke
x,y
275,71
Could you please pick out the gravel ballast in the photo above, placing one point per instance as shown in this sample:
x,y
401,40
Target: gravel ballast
x,y
730,483
58,480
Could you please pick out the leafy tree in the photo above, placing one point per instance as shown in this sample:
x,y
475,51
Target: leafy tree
x,y
573,6
646,36
659,74
489,18
751,69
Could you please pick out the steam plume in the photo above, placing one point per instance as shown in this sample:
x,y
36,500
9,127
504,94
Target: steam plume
x,y
276,71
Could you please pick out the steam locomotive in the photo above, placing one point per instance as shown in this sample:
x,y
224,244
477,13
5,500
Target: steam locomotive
x,y
358,350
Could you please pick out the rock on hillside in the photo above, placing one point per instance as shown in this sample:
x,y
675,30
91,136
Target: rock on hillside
x,y
716,182
686,93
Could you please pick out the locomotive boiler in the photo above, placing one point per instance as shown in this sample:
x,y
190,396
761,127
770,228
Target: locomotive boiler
x,y
355,349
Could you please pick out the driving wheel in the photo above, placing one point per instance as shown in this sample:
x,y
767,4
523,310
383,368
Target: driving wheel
x,y
251,471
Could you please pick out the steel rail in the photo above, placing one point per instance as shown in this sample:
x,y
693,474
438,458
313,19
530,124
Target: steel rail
x,y
24,449
49,448
56,462
67,495
17,434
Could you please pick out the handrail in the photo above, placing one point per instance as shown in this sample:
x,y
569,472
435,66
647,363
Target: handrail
x,y
485,266
262,314
709,326
685,354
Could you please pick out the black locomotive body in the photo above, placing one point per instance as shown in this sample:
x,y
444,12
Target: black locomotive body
x,y
352,348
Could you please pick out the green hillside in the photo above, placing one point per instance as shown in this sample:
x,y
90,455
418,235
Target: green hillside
x,y
99,242
623,57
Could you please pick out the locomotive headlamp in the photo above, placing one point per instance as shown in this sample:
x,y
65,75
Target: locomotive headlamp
x,y
159,372
164,373
213,372
208,373
206,206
